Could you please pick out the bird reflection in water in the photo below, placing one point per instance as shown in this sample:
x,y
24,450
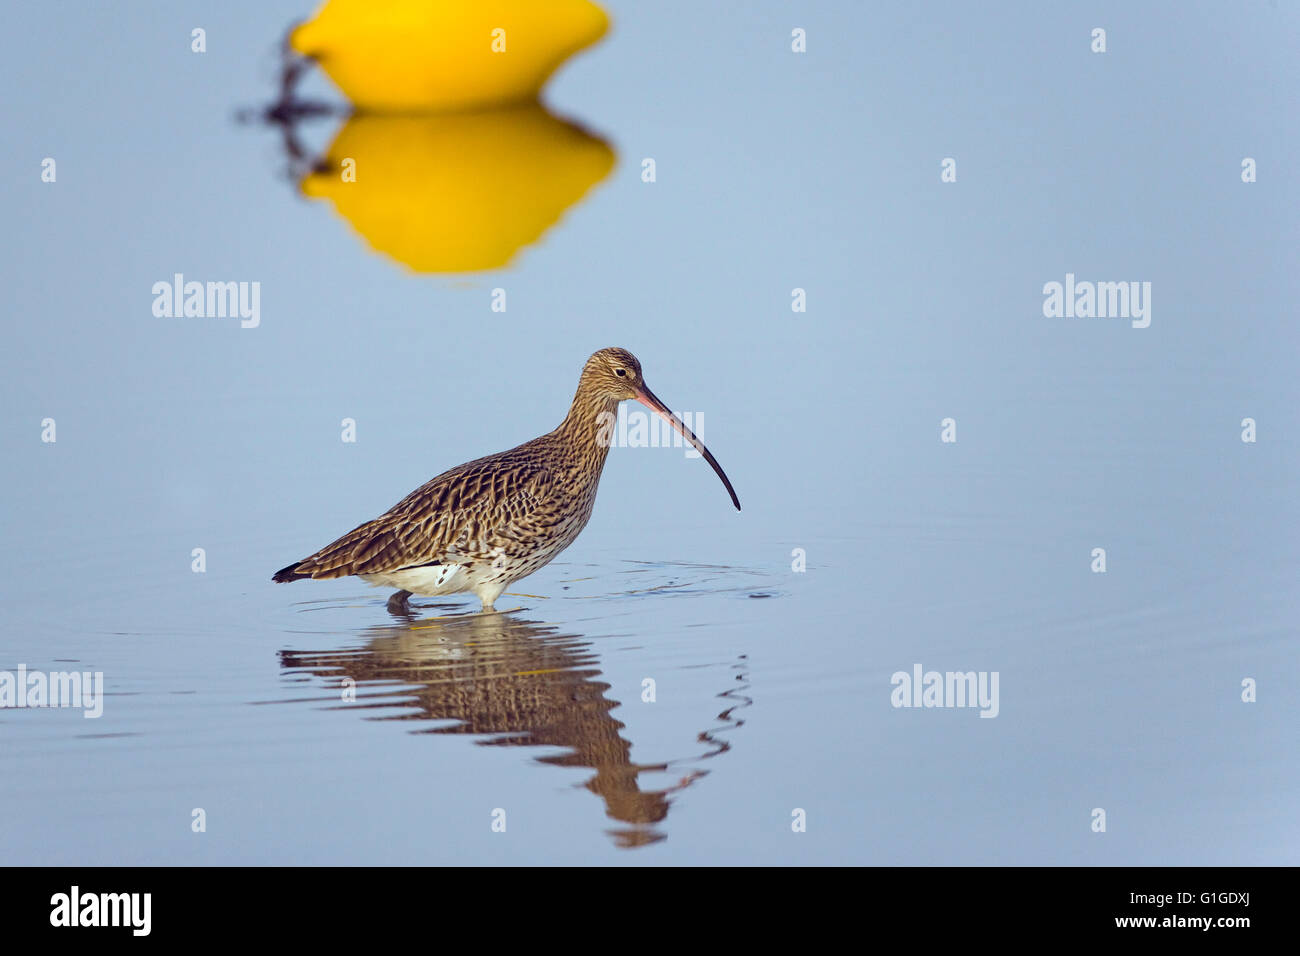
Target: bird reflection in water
x,y
519,683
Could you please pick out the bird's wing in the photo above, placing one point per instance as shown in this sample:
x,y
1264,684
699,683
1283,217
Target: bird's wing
x,y
462,515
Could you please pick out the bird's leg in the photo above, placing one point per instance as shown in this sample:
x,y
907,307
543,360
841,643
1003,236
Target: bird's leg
x,y
488,592
397,604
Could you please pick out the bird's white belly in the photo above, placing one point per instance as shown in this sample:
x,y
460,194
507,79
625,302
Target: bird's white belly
x,y
433,580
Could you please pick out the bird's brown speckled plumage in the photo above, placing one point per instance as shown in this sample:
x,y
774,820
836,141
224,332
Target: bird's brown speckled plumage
x,y
491,521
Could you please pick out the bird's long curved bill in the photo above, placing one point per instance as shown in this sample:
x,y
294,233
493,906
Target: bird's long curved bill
x,y
650,401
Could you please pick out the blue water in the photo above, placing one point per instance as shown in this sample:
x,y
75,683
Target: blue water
x,y
771,686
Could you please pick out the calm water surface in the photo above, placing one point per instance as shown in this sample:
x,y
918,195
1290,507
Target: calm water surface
x,y
671,689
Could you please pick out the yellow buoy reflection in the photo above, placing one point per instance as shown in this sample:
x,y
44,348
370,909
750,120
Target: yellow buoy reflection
x,y
458,192
395,55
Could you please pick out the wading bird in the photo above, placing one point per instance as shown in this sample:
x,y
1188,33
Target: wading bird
x,y
485,524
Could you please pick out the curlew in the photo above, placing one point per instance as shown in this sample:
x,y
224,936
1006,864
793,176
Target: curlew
x,y
487,523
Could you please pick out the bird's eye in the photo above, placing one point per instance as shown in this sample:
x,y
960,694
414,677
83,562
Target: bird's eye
x,y
620,372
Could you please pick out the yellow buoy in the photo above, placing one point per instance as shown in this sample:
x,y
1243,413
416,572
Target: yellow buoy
x,y
457,192
445,54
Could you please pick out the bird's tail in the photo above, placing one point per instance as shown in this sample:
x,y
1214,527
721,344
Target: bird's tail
x,y
290,573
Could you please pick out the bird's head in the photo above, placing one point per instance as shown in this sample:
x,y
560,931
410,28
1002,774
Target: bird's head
x,y
614,373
